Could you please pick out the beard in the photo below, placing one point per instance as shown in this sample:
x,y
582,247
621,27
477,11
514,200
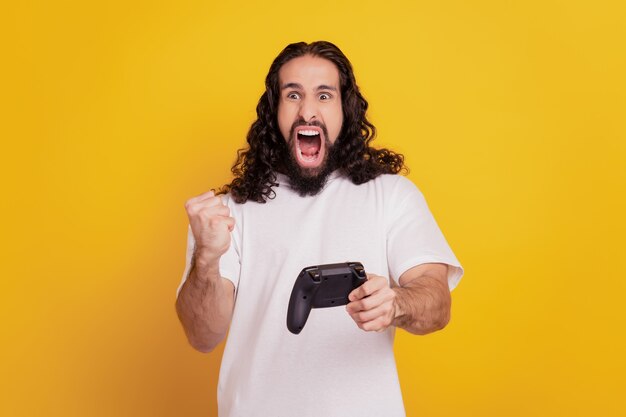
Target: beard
x,y
309,181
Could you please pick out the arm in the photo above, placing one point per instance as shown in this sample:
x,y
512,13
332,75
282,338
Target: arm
x,y
205,302
422,302
205,305
420,305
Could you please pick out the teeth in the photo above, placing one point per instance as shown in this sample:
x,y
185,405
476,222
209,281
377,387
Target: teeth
x,y
309,132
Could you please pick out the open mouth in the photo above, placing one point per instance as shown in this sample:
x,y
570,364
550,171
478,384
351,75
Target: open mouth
x,y
309,146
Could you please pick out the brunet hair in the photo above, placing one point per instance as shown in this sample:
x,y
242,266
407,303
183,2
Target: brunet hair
x,y
256,166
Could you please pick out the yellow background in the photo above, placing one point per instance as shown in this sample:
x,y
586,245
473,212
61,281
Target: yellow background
x,y
511,116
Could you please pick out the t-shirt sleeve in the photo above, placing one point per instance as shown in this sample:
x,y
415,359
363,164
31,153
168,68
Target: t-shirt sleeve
x,y
229,262
413,236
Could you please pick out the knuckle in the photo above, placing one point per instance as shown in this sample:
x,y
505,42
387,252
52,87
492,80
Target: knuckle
x,y
206,211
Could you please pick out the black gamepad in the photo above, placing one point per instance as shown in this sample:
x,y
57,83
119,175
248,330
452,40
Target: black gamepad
x,y
322,286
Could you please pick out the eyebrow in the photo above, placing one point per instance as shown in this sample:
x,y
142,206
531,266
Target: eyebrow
x,y
299,87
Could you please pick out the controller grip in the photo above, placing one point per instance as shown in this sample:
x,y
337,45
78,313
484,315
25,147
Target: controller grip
x,y
298,311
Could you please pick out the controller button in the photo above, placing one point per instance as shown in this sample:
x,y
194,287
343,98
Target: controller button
x,y
315,276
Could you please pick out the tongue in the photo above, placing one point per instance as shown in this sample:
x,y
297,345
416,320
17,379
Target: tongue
x,y
309,145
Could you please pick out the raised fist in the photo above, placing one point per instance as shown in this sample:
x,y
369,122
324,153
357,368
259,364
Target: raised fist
x,y
211,225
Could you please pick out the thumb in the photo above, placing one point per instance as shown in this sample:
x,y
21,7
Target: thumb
x,y
230,223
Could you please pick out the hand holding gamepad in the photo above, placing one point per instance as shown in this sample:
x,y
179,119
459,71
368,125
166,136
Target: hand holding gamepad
x,y
373,305
322,286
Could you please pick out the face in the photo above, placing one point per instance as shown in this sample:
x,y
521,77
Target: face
x,y
309,113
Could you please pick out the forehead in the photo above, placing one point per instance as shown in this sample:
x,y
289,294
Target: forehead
x,y
309,71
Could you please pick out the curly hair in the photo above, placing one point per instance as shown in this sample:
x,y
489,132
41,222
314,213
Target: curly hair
x,y
256,166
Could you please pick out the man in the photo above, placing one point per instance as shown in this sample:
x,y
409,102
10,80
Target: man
x,y
310,190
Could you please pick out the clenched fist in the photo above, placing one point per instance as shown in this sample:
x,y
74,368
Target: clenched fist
x,y
211,225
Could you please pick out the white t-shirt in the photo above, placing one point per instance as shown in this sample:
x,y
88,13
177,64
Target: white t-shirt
x,y
332,368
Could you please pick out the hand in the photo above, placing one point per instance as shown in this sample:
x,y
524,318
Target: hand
x,y
372,305
211,224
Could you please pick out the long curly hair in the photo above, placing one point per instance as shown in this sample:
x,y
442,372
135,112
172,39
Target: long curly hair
x,y
256,166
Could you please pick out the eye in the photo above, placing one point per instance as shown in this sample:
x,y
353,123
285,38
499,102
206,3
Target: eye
x,y
293,96
325,96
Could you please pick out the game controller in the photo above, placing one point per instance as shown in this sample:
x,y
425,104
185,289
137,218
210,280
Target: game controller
x,y
322,286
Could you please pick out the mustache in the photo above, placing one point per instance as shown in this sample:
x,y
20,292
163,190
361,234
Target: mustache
x,y
301,122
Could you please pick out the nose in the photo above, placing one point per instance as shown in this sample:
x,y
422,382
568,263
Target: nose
x,y
308,110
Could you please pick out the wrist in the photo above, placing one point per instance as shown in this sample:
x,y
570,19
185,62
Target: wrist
x,y
397,305
205,262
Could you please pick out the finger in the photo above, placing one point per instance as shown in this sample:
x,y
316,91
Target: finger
x,y
361,292
193,204
204,214
197,206
204,196
359,305
222,210
369,303
222,222
215,210
376,325
368,288
374,276
230,223
382,310
207,195
212,201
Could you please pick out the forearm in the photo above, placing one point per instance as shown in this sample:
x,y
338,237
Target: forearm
x,y
422,305
205,305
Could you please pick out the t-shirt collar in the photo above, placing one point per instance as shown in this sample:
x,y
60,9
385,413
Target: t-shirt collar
x,y
284,179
